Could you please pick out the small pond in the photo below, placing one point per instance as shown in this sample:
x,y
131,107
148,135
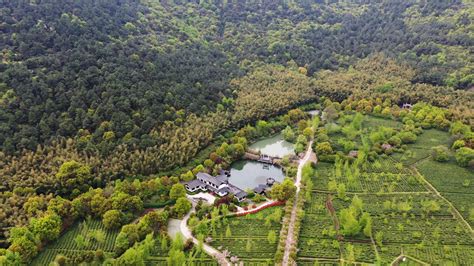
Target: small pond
x,y
274,146
247,174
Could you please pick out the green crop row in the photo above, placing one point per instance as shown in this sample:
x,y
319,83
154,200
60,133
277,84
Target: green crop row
x,y
434,230
66,243
249,236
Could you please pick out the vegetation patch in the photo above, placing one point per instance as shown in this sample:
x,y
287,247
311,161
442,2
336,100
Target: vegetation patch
x,y
252,238
83,240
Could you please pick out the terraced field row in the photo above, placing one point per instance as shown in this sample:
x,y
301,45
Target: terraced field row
x,y
249,239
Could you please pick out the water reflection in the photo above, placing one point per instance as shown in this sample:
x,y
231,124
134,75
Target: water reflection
x,y
247,174
274,146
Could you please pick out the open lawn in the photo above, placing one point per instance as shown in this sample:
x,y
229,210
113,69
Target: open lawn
x,y
374,122
421,149
431,138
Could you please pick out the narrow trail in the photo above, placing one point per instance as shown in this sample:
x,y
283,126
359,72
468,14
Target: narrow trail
x,y
455,211
187,234
291,226
265,205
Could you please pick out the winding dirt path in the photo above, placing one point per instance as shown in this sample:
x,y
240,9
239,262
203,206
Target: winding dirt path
x,y
291,227
454,210
221,258
187,234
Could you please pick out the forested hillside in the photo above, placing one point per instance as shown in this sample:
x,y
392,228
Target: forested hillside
x,y
132,88
107,107
124,66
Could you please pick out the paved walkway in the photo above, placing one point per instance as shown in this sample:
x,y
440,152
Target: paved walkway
x,y
187,234
241,211
221,259
291,227
203,196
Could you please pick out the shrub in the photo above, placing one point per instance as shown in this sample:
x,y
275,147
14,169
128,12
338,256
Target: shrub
x,y
289,134
458,144
181,207
327,158
464,156
440,154
112,219
324,148
395,141
60,260
347,145
407,137
99,255
322,137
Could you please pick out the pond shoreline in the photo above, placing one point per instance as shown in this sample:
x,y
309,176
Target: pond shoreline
x,y
248,174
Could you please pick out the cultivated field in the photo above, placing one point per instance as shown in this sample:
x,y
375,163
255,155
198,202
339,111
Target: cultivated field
x,y
410,198
66,244
249,236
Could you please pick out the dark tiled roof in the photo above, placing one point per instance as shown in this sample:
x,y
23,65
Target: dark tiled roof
x,y
217,182
224,190
213,189
260,188
209,178
222,178
241,194
194,184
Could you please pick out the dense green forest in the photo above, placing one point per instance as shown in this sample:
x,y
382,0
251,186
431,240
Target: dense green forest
x,y
126,66
98,91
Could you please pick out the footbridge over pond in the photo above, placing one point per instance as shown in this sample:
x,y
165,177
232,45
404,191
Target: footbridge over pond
x,y
263,158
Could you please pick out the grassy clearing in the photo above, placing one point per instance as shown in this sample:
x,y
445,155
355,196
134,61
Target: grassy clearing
x,y
421,149
374,122
412,155
432,138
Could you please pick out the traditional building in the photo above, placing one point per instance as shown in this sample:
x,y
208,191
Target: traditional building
x,y
265,159
263,189
216,184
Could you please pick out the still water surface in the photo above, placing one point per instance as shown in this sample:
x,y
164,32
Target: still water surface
x,y
247,174
274,146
